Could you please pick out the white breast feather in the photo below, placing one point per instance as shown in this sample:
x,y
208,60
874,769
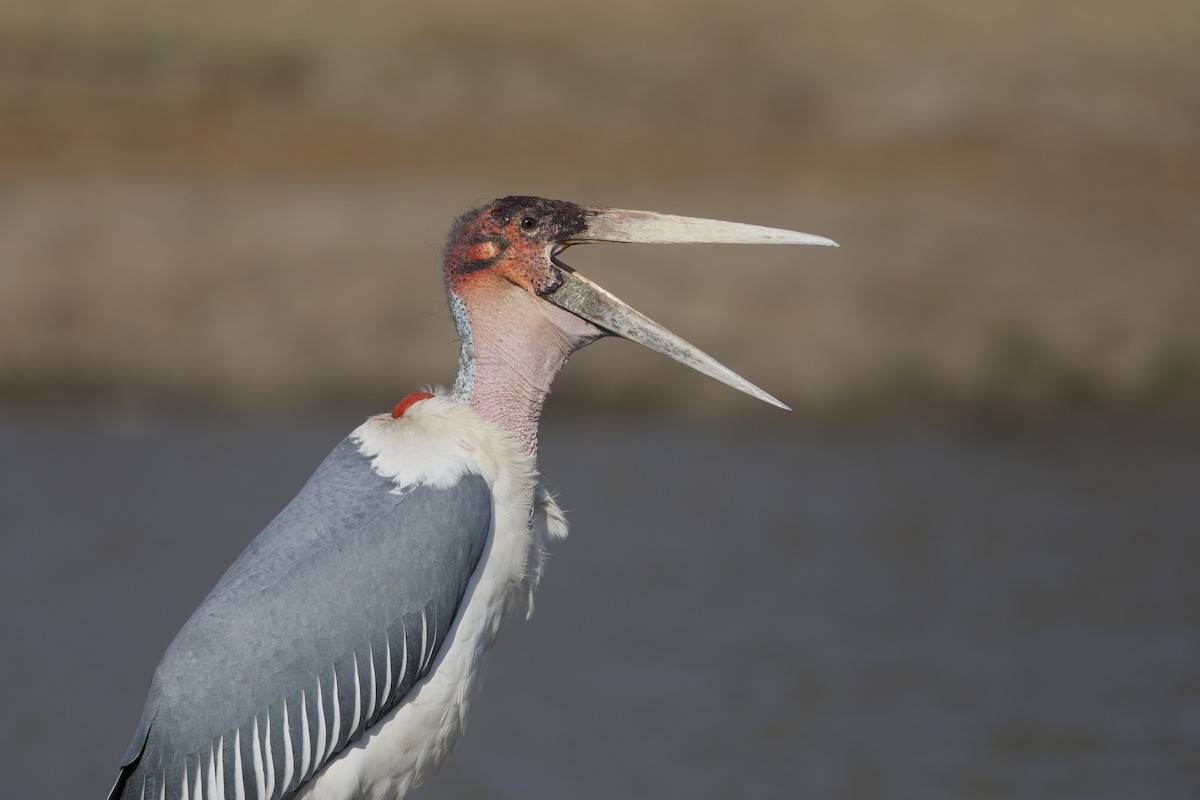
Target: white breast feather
x,y
436,442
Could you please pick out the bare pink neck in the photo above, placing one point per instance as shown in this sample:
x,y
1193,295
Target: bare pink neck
x,y
513,344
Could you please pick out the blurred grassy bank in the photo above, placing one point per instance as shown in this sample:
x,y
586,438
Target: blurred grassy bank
x,y
242,204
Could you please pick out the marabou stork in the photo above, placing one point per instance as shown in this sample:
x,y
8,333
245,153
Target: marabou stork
x,y
337,656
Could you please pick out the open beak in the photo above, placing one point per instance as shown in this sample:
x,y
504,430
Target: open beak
x,y
585,299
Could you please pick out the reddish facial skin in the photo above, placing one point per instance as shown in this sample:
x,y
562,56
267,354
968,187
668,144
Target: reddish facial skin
x,y
510,238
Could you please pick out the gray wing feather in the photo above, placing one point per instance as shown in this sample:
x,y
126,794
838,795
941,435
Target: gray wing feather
x,y
317,630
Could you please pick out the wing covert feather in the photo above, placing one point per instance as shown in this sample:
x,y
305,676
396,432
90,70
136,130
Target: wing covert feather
x,y
314,633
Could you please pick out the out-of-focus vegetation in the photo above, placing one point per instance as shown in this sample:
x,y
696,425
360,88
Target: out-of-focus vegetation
x,y
237,203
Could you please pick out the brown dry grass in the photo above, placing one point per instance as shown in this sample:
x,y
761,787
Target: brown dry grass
x,y
242,203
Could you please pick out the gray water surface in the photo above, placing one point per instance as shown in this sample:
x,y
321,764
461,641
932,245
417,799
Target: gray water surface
x,y
884,614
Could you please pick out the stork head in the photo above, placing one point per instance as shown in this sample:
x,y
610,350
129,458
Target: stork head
x,y
506,282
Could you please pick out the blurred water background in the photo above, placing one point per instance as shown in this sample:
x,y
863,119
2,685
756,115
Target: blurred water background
x,y
963,567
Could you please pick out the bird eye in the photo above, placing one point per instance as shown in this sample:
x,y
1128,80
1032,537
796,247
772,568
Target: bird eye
x,y
529,223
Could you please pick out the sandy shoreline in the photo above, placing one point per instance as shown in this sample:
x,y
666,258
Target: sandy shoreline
x,y
228,292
